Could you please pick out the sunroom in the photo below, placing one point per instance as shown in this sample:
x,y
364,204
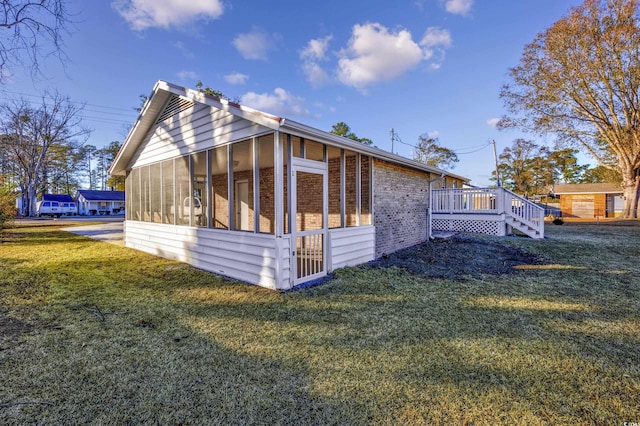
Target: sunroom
x,y
256,197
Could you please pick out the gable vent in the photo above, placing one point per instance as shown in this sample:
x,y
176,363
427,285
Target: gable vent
x,y
175,106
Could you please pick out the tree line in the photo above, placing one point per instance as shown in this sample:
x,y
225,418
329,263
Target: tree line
x,y
578,80
43,150
529,169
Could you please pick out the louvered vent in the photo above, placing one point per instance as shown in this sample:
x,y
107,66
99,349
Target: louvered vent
x,y
175,106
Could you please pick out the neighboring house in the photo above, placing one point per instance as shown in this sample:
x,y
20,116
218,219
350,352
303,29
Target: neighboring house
x,y
261,198
590,200
56,205
93,203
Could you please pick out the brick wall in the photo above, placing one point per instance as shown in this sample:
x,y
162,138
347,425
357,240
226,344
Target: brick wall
x,y
400,203
267,201
309,201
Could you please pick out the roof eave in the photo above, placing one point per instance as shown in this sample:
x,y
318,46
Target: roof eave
x,y
340,141
144,122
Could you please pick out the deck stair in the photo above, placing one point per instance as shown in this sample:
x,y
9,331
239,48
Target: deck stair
x,y
529,230
494,211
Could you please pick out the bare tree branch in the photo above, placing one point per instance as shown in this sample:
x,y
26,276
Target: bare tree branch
x,y
33,132
30,32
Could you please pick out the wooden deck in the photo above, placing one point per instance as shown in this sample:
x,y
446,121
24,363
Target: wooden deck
x,y
493,211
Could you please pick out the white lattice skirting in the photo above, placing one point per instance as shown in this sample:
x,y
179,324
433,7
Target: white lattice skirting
x,y
476,226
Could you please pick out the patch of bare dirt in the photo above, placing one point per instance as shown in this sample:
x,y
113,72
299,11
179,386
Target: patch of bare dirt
x,y
11,329
460,257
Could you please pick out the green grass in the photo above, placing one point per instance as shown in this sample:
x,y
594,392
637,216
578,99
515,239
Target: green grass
x,y
96,333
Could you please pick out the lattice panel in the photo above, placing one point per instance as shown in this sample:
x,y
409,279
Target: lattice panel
x,y
473,226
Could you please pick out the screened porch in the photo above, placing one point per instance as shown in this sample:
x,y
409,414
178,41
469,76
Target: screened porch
x,y
272,193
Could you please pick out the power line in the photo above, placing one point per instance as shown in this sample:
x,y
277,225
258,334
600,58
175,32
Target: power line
x,y
105,114
462,151
74,102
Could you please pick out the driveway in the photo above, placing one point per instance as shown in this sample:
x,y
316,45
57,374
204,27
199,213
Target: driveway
x,y
110,232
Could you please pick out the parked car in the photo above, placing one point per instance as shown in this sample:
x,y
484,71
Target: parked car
x,y
48,208
69,209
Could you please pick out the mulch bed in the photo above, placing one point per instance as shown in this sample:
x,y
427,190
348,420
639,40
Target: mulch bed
x,y
459,257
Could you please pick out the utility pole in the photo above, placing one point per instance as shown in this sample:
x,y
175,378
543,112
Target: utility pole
x,y
495,161
393,136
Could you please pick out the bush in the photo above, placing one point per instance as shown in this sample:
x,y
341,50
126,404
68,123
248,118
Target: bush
x,y
558,221
7,204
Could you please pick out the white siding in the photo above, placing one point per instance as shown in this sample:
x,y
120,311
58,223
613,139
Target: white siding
x,y
351,246
195,129
248,257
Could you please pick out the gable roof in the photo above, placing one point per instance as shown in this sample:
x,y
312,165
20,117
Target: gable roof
x,y
163,97
587,188
101,195
61,198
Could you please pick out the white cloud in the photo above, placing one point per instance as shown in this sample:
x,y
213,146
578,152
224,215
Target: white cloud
x,y
255,44
236,78
375,54
187,75
434,42
458,7
311,55
142,14
316,49
316,75
280,102
493,122
435,36
434,134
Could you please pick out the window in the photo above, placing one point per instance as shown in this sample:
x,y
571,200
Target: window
x,y
244,218
220,186
297,147
335,215
285,181
145,196
350,188
266,184
155,191
199,201
134,192
182,191
313,150
167,193
365,190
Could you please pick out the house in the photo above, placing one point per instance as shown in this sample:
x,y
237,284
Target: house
x,y
261,198
590,200
100,202
63,205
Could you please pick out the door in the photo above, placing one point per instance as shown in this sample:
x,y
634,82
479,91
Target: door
x,y
242,205
309,223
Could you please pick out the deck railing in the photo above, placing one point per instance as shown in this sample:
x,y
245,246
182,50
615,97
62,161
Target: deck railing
x,y
497,201
466,200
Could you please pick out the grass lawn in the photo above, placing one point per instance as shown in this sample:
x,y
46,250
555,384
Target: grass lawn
x,y
95,333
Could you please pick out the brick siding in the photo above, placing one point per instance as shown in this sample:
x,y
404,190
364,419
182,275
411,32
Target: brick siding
x,y
400,203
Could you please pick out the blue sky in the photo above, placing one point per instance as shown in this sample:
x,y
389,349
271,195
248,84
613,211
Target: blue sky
x,y
418,66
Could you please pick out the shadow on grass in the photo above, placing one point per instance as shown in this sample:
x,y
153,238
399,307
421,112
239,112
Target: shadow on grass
x,y
368,346
132,375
